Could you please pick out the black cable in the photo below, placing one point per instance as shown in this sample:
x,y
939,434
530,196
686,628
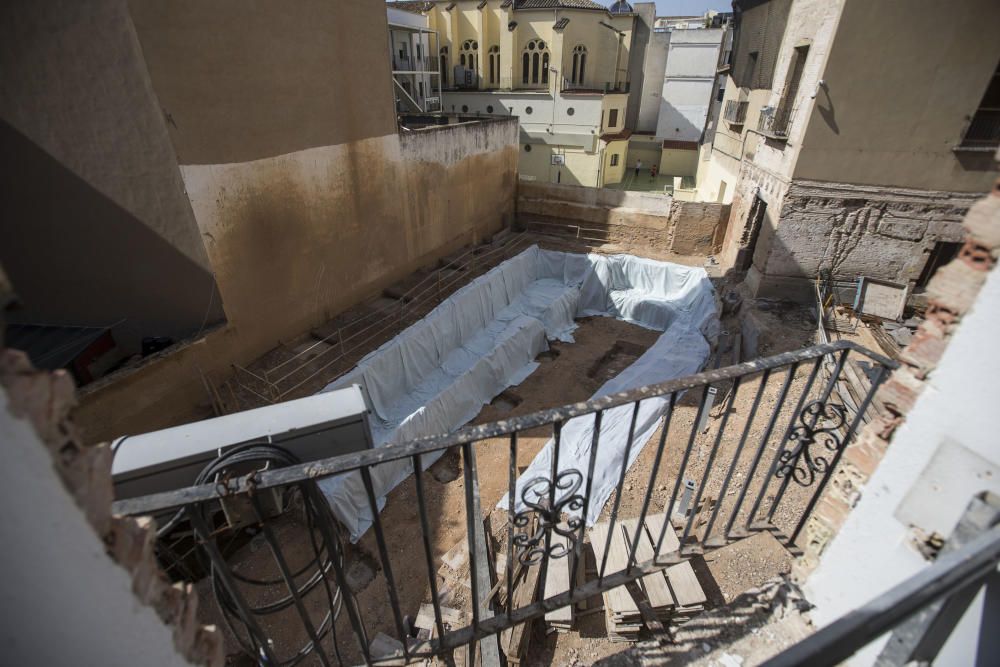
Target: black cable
x,y
257,455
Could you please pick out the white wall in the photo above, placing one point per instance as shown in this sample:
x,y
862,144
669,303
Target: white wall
x,y
689,75
551,120
65,602
652,81
956,415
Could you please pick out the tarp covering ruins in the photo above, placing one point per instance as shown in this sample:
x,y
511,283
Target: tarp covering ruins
x,y
437,375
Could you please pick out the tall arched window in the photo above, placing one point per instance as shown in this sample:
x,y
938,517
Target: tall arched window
x,y
444,66
470,55
494,64
535,62
579,63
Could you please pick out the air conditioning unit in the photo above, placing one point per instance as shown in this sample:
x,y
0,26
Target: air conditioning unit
x,y
316,427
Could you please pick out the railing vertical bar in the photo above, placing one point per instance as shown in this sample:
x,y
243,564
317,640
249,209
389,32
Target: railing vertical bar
x,y
383,551
708,467
553,488
766,482
839,453
220,566
511,510
333,549
618,493
652,480
739,450
759,454
592,463
425,534
470,529
841,359
286,575
324,570
669,510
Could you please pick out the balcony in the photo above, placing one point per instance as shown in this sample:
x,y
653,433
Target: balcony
x,y
983,133
596,87
770,472
735,112
775,123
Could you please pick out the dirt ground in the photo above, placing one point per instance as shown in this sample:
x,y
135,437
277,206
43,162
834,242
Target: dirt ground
x,y
568,373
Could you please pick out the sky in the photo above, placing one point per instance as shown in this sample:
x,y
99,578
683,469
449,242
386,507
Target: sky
x,y
690,7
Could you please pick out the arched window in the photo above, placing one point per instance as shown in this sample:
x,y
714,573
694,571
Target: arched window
x,y
535,62
444,66
494,64
579,63
470,55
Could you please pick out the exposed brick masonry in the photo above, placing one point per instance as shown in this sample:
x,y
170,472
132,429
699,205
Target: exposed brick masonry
x,y
951,294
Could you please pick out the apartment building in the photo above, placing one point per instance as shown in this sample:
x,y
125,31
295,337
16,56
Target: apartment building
x,y
561,66
853,137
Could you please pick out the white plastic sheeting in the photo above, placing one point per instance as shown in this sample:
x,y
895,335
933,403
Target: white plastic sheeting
x,y
438,374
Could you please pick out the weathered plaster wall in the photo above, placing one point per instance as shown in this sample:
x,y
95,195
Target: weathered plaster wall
x,y
85,587
853,230
297,238
90,181
305,194
890,127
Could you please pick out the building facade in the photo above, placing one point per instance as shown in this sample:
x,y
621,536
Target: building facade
x,y
561,66
835,166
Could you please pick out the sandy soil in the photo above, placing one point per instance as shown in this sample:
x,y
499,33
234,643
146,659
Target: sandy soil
x,y
570,372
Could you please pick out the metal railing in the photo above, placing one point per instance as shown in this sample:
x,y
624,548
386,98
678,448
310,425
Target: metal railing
x,y
776,437
983,132
603,87
349,342
735,111
922,611
776,123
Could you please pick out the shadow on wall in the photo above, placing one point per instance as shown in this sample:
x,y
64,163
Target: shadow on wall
x,y
71,254
674,125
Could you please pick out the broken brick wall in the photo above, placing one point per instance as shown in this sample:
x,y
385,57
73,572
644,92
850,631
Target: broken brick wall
x,y
83,586
951,293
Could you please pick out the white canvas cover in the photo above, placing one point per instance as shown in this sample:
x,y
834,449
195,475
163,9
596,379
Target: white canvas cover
x,y
436,376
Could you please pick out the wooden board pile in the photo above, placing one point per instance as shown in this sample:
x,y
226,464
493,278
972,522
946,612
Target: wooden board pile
x,y
674,593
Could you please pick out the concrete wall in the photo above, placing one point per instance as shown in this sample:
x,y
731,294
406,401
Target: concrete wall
x,y
926,68
689,79
90,181
652,81
323,206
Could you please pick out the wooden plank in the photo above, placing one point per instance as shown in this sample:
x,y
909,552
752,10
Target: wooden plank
x,y
654,584
683,582
654,526
617,599
557,581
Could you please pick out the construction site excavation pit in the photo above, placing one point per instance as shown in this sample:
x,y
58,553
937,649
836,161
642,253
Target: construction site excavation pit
x,y
543,329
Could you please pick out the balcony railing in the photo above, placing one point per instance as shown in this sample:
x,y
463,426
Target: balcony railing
x,y
604,87
735,112
775,123
765,464
983,132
